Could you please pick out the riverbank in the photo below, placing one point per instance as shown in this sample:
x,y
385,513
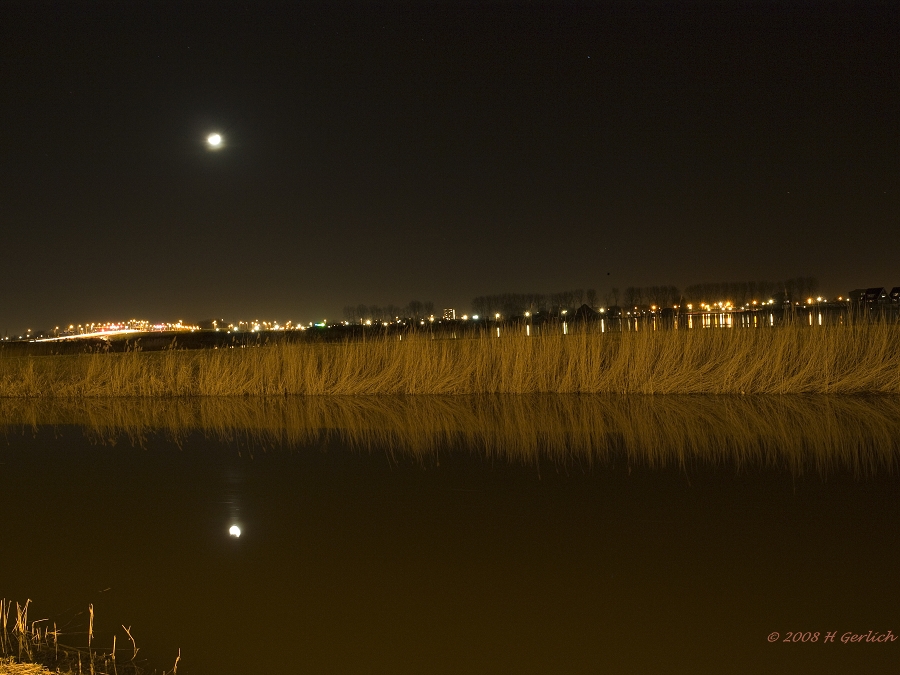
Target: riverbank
x,y
30,647
9,667
849,359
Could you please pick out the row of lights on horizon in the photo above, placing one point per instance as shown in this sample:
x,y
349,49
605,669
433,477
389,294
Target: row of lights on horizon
x,y
257,325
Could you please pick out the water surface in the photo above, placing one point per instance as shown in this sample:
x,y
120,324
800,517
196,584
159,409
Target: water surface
x,y
502,534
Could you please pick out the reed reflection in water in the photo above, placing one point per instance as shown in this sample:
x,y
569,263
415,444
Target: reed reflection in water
x,y
800,433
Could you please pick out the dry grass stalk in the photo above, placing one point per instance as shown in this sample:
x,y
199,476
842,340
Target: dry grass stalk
x,y
133,643
22,618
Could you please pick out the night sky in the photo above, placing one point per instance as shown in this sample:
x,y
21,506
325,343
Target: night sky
x,y
380,152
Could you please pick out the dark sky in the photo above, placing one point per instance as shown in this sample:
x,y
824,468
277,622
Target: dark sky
x,y
381,152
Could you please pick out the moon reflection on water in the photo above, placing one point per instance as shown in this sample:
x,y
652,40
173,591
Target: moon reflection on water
x,y
234,481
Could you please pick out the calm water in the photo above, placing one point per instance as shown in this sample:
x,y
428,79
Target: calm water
x,y
518,535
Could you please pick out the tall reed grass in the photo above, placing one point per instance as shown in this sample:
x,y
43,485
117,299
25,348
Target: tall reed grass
x,y
849,359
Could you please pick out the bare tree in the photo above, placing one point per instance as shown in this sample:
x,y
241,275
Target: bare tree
x,y
414,309
632,296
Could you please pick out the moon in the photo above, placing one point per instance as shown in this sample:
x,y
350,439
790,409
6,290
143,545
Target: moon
x,y
214,140
234,531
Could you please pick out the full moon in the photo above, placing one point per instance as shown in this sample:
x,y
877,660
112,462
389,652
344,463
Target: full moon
x,y
214,140
234,531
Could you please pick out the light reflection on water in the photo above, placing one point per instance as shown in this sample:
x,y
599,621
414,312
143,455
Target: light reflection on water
x,y
526,534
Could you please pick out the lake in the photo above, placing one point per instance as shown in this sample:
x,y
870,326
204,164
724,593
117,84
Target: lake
x,y
517,534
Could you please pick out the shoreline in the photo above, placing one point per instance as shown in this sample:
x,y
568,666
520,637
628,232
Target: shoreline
x,y
849,359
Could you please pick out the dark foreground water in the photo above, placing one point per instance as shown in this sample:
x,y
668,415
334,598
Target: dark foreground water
x,y
537,535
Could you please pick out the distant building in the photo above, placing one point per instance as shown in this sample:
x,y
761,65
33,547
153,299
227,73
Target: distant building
x,y
875,295
857,295
450,314
869,296
584,312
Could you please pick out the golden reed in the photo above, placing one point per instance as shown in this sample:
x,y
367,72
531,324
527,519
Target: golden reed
x,y
849,359
802,433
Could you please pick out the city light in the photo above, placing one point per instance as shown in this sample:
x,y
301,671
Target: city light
x,y
723,309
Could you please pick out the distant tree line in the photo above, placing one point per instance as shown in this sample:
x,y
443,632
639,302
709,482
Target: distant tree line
x,y
795,289
516,304
414,309
661,296
736,292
